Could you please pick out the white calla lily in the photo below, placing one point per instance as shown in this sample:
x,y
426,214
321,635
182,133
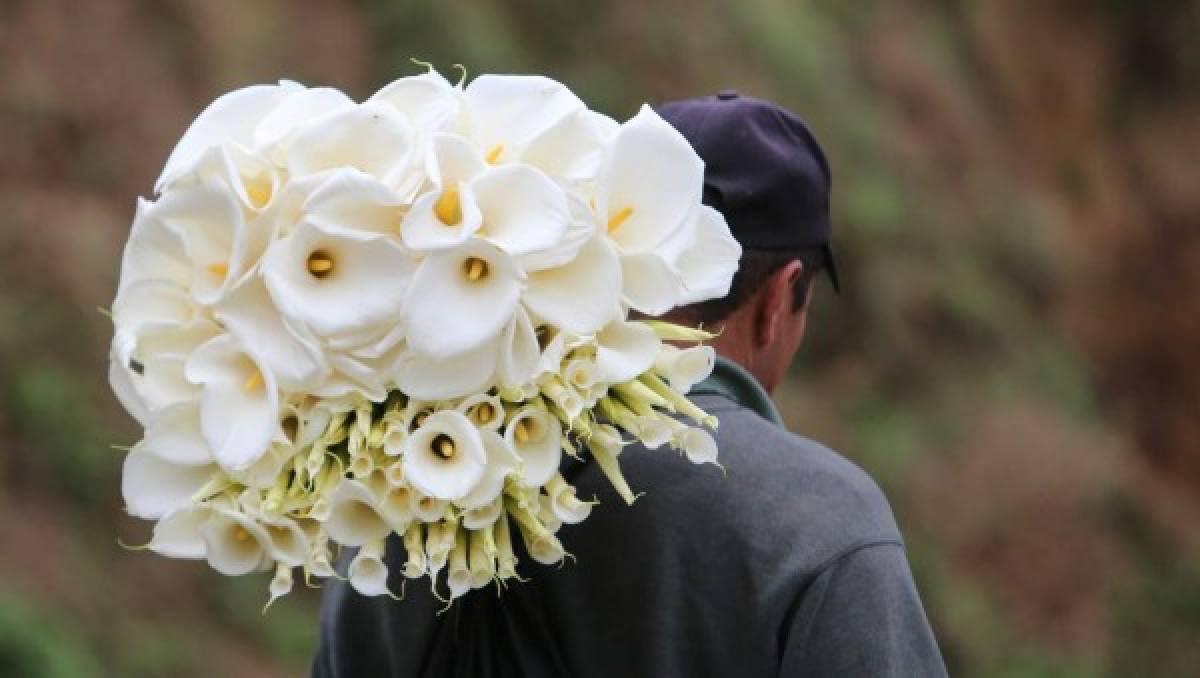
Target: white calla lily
x,y
501,461
231,119
234,543
440,378
178,533
571,150
624,350
708,263
444,457
649,184
519,352
371,137
534,435
289,544
249,314
428,100
337,281
152,303
154,251
449,214
239,409
684,368
368,573
698,444
293,112
582,295
355,517
154,486
356,201
523,210
509,111
460,298
649,283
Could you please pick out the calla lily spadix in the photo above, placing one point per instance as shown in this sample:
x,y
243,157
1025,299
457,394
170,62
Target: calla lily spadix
x,y
337,321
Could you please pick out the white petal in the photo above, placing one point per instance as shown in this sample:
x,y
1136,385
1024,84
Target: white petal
x,y
454,376
177,534
235,544
582,295
519,352
239,411
453,159
430,470
625,350
523,209
685,368
707,267
154,251
448,312
354,517
367,573
582,227
354,200
121,379
372,138
651,180
649,284
288,542
535,437
501,461
362,291
698,445
174,435
153,487
231,119
429,101
249,314
510,110
572,149
150,302
296,110
423,230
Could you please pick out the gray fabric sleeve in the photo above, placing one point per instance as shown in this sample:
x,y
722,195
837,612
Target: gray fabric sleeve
x,y
861,616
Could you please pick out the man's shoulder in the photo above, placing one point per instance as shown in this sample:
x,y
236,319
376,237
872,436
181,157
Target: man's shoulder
x,y
778,493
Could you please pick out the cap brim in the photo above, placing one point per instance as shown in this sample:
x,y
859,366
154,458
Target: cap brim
x,y
831,267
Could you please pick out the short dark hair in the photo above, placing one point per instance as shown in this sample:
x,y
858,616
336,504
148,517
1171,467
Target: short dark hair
x,y
754,267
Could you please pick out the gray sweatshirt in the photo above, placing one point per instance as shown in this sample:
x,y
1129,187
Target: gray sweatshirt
x,y
791,565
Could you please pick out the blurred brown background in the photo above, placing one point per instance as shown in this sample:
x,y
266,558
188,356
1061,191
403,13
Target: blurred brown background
x,y
1013,357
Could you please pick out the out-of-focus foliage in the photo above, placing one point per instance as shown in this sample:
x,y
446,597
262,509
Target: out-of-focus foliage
x,y
1012,355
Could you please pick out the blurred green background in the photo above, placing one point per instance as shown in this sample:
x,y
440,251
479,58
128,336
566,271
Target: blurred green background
x,y
1013,357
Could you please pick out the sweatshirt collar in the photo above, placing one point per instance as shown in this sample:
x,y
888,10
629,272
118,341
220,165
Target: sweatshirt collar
x,y
732,381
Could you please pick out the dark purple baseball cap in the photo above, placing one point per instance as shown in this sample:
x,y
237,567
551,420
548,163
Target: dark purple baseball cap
x,y
763,169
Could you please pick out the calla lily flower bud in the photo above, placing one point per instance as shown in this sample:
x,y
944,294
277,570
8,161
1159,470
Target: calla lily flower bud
x,y
354,516
414,545
367,573
234,544
534,436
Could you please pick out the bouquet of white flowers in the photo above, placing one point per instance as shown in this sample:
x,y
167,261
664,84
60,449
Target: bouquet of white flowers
x,y
341,320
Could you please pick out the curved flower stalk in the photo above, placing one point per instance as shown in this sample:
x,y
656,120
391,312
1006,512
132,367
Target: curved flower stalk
x,y
341,321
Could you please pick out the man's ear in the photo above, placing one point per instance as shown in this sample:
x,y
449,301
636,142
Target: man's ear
x,y
775,301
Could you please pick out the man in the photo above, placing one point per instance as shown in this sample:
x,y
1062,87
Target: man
x,y
788,565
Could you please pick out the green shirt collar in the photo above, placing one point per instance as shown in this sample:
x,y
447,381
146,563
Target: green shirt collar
x,y
731,380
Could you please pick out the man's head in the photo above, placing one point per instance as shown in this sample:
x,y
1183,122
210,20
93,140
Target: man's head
x,y
765,172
